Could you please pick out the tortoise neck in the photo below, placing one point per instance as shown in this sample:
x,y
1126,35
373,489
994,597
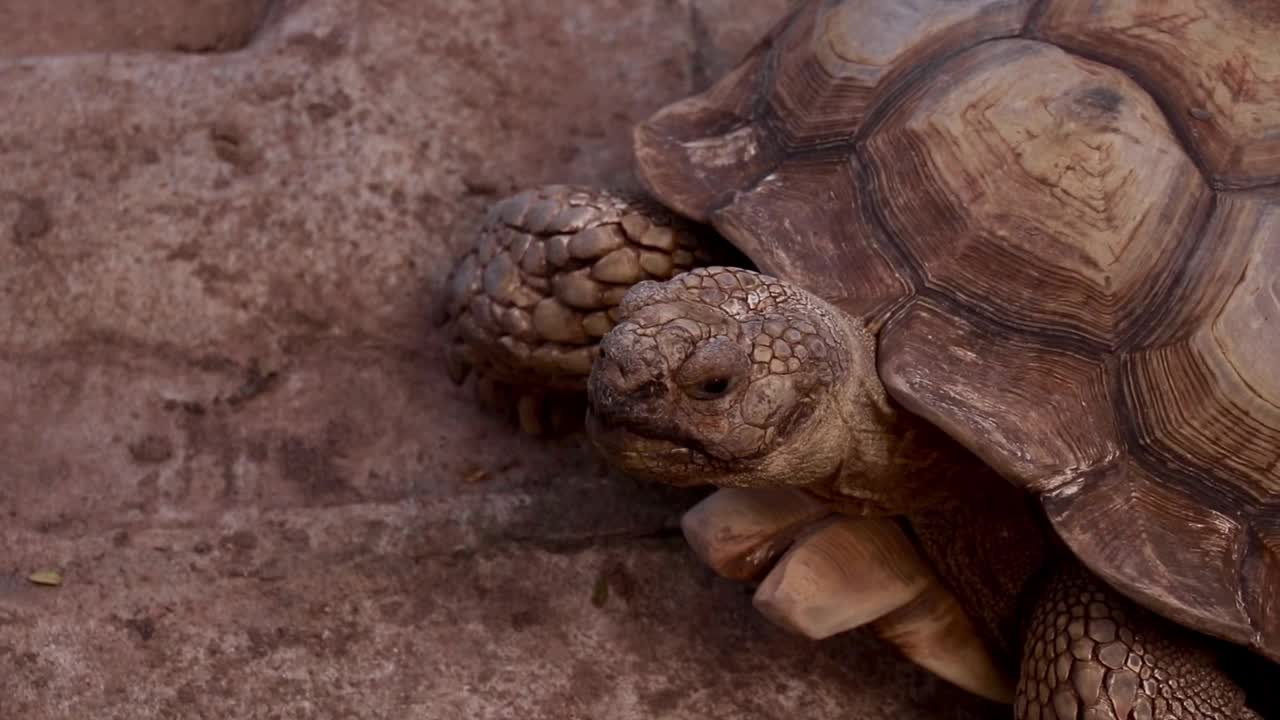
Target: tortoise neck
x,y
893,462
905,465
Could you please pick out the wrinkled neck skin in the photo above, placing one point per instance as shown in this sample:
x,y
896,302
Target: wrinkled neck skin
x,y
731,378
892,462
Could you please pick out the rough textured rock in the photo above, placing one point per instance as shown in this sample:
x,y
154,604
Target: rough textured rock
x,y
65,27
225,420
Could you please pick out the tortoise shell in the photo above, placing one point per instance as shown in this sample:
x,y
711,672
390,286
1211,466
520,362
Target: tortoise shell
x,y
1062,219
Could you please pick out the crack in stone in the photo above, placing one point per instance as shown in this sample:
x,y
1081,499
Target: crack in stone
x,y
576,543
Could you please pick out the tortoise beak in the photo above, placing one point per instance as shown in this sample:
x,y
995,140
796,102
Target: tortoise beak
x,y
627,380
628,407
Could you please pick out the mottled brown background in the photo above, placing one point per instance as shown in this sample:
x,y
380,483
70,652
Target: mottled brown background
x,y
221,410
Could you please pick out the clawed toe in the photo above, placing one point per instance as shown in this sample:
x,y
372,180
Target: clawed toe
x,y
535,412
835,573
840,575
739,532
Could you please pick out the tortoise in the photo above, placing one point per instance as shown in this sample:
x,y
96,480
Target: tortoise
x,y
996,372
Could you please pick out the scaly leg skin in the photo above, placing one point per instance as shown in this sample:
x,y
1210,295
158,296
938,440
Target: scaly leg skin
x,y
1092,654
526,305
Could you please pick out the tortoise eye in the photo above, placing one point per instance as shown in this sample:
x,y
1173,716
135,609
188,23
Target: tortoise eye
x,y
712,389
712,370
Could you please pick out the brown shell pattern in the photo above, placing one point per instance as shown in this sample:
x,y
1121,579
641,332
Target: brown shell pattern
x,y
1063,219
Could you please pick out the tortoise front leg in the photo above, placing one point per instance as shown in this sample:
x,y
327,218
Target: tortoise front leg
x,y
526,305
1092,654
836,573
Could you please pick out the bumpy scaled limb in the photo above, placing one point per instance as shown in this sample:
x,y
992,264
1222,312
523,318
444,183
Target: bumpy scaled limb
x,y
841,573
527,303
1093,654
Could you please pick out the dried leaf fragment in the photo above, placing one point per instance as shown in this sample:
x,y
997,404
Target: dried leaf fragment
x,y
51,578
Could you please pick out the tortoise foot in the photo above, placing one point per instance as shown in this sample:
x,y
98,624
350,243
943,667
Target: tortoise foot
x,y
740,532
536,411
525,306
1091,653
835,573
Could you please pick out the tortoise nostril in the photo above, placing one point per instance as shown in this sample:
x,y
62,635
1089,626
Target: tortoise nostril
x,y
617,345
629,367
651,390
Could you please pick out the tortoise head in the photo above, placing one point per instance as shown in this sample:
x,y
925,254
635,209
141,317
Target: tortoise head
x,y
728,377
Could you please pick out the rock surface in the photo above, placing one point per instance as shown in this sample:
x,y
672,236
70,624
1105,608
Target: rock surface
x,y
225,420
